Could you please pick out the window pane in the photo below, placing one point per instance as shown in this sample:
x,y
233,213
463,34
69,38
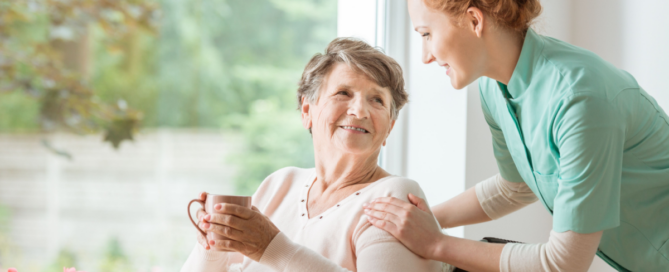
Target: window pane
x,y
215,82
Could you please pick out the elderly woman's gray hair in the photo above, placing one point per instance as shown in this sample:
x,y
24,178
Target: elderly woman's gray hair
x,y
360,56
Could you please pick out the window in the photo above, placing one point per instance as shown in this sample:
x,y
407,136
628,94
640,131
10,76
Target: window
x,y
213,85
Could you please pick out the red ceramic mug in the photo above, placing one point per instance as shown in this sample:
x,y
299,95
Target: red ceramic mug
x,y
212,200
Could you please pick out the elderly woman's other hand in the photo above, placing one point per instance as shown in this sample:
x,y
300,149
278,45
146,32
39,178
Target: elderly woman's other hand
x,y
249,231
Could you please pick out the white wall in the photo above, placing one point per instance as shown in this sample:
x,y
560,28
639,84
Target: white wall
x,y
357,19
645,45
631,34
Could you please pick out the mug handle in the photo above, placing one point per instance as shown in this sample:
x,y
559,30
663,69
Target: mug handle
x,y
191,217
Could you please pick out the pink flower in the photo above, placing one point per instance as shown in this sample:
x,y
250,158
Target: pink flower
x,y
71,269
12,269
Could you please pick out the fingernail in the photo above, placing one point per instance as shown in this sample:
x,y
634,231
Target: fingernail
x,y
205,225
207,217
212,242
217,207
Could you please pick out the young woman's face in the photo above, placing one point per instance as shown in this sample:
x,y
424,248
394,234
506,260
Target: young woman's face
x,y
454,46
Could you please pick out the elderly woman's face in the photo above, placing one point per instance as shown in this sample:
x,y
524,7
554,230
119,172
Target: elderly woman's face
x,y
352,113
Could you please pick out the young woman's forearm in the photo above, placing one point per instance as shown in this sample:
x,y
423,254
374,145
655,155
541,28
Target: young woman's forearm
x,y
468,254
464,209
490,199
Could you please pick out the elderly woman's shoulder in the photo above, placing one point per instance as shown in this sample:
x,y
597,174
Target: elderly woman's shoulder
x,y
399,187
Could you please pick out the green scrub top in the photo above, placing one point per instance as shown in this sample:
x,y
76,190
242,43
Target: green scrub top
x,y
590,143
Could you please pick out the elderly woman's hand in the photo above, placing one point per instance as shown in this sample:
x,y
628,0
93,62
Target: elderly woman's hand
x,y
249,231
200,216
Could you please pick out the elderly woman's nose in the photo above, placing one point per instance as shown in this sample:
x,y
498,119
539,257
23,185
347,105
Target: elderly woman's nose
x,y
358,108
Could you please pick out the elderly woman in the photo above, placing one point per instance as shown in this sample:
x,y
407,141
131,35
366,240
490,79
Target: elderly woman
x,y
311,219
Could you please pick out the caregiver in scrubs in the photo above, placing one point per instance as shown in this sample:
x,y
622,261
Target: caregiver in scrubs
x,y
569,129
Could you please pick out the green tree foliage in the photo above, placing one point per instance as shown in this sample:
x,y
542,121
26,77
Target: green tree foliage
x,y
5,245
35,37
65,258
198,63
115,259
214,64
274,138
212,58
216,57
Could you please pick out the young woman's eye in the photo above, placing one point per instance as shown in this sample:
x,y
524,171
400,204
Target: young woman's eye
x,y
426,34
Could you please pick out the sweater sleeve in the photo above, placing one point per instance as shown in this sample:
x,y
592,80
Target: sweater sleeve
x,y
202,260
565,251
282,254
376,250
499,197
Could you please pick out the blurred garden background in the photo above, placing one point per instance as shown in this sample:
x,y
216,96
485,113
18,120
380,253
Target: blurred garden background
x,y
115,113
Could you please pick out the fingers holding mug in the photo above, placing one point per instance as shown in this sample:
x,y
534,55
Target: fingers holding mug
x,y
202,240
201,224
207,218
201,213
198,214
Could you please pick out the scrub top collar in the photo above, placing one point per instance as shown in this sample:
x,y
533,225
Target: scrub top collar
x,y
528,60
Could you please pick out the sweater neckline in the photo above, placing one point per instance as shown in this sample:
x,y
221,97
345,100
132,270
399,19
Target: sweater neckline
x,y
304,197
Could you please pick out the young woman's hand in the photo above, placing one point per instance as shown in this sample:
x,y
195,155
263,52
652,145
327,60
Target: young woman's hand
x,y
249,232
413,223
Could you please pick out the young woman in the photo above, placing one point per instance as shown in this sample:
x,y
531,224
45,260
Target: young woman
x,y
569,129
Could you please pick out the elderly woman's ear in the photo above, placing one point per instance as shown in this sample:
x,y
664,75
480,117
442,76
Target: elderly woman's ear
x,y
306,115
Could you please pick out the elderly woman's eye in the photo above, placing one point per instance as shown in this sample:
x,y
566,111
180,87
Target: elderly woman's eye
x,y
378,100
342,92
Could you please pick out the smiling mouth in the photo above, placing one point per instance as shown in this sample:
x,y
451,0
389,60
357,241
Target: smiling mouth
x,y
355,128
